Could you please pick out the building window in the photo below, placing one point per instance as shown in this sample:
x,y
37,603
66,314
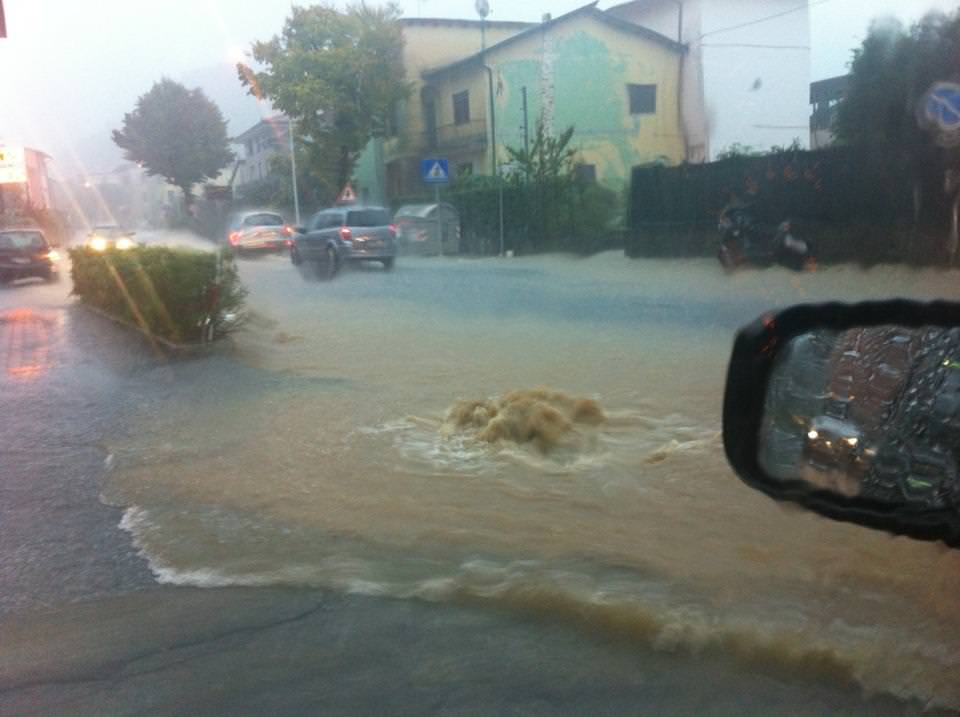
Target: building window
x,y
394,118
643,99
430,117
586,173
461,107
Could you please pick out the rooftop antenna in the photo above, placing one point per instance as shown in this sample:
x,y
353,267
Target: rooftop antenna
x,y
483,9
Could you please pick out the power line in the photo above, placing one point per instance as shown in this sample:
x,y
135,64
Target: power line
x,y
798,8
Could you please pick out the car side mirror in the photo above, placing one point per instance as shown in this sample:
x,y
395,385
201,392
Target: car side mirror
x,y
853,412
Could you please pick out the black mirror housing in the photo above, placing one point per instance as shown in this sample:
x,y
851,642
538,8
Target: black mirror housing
x,y
758,356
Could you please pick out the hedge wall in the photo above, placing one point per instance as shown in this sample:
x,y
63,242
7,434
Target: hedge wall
x,y
179,295
856,203
559,216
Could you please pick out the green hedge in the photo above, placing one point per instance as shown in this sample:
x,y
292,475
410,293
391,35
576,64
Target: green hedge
x,y
561,215
181,295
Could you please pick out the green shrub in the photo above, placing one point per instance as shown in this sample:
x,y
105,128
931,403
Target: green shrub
x,y
180,295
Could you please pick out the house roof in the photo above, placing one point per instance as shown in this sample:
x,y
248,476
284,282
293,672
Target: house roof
x,y
452,22
261,127
587,10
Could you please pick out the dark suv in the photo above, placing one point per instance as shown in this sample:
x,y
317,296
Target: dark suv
x,y
342,234
25,253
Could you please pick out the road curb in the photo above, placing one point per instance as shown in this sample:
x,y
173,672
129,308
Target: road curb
x,y
169,347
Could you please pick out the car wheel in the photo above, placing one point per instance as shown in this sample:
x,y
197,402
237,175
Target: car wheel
x,y
328,267
388,263
295,257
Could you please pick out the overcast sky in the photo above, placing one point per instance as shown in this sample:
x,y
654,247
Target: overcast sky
x,y
71,68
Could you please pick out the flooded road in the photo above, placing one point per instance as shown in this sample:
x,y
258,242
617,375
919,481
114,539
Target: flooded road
x,y
319,454
319,451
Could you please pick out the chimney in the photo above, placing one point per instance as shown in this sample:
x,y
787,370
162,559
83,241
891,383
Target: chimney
x,y
547,17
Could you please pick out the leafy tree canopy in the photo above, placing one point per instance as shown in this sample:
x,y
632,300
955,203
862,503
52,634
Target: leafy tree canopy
x,y
176,133
890,73
339,75
548,158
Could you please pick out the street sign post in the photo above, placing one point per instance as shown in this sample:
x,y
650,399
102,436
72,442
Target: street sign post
x,y
939,113
436,172
347,195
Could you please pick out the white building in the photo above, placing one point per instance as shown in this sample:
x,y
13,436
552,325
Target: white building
x,y
746,77
260,144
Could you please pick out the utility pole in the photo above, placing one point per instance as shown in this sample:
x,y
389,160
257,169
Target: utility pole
x,y
526,122
293,174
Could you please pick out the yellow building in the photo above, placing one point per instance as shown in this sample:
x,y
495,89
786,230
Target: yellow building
x,y
614,81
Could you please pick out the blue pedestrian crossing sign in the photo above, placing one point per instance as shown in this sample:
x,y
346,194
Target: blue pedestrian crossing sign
x,y
435,171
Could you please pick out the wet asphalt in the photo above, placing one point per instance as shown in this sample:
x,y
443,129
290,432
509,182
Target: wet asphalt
x,y
84,628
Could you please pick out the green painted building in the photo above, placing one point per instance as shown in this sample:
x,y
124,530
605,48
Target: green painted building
x,y
615,82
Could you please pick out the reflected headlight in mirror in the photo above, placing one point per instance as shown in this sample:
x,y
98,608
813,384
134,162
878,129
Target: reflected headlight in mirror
x,y
124,243
852,441
98,244
813,435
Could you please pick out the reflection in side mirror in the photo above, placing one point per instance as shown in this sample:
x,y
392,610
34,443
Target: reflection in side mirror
x,y
855,419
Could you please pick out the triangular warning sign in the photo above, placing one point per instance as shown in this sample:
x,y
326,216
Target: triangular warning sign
x,y
347,196
436,172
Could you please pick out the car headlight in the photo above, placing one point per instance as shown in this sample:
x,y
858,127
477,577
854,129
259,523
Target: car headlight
x,y
99,244
124,243
53,255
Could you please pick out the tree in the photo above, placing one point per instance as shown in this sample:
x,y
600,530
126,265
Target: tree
x,y
177,134
338,75
889,75
548,159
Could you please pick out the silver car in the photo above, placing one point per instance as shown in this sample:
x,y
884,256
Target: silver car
x,y
258,232
335,236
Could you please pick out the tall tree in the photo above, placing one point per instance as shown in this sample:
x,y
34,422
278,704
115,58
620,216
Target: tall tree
x,y
338,75
176,133
889,75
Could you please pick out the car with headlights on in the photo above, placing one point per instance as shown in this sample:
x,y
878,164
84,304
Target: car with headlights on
x,y
26,253
110,236
259,232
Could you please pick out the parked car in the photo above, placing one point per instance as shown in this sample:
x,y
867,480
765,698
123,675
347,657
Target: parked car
x,y
26,253
345,234
110,236
258,232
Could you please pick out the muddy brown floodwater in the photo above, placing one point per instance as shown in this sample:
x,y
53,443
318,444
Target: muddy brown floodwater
x,y
362,435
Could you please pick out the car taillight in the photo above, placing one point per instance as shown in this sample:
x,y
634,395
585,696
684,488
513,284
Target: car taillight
x,y
288,230
288,242
345,233
234,237
393,229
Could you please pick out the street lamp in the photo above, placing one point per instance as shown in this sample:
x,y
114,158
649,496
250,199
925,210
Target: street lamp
x,y
483,9
293,174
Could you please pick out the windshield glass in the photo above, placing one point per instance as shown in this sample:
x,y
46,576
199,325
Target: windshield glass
x,y
376,362
368,218
263,220
22,240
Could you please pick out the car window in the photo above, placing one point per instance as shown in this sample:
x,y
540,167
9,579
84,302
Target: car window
x,y
263,220
22,240
367,218
318,221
